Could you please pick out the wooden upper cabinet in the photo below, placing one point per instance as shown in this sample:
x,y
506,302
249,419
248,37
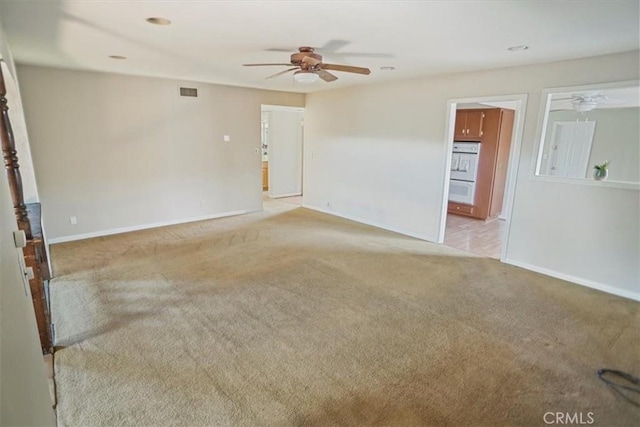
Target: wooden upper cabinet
x,y
475,120
469,125
461,125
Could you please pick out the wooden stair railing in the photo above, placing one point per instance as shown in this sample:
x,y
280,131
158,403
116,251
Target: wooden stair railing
x,y
11,165
29,221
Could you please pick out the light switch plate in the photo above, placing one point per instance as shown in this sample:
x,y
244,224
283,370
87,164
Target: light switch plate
x,y
227,138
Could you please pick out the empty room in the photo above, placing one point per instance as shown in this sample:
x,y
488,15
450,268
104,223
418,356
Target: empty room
x,y
283,213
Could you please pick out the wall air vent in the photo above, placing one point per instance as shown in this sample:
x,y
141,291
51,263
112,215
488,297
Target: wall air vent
x,y
189,91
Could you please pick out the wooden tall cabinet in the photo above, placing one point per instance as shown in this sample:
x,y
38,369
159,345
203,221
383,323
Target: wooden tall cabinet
x,y
494,135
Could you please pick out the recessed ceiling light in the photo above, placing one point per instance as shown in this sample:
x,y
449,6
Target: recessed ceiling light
x,y
518,48
387,68
117,57
158,21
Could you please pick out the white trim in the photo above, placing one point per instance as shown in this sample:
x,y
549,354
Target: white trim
x,y
450,136
514,163
577,280
47,249
514,158
120,230
280,196
593,183
372,223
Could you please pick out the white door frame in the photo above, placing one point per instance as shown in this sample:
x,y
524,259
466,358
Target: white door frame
x,y
512,167
268,108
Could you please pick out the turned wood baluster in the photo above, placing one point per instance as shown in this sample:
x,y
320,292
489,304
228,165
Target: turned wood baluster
x,y
11,165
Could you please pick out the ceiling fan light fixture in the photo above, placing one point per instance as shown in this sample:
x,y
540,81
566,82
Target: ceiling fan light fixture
x,y
157,20
584,106
305,77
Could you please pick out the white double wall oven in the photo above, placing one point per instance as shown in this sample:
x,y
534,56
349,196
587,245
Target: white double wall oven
x,y
464,172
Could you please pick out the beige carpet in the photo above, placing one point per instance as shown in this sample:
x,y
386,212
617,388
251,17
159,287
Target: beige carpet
x,y
292,317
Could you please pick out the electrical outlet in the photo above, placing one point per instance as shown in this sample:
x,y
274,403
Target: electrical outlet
x,y
226,138
73,220
203,203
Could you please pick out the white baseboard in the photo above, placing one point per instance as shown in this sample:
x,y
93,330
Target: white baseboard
x,y
120,230
577,280
280,196
372,223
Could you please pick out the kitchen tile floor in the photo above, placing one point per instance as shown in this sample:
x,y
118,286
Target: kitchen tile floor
x,y
475,235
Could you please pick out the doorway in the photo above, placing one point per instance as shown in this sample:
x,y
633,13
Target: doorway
x,y
484,140
282,153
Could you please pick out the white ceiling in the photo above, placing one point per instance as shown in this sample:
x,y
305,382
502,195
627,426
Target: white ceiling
x,y
210,40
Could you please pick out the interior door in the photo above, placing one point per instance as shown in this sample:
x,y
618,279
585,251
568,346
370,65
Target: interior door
x,y
285,153
570,149
264,143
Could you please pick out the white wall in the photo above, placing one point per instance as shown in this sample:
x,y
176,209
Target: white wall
x,y
377,153
121,152
285,152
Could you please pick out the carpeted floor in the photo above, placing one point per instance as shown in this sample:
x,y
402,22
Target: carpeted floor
x,y
292,317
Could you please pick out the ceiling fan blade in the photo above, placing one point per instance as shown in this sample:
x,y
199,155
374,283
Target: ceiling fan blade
x,y
282,72
262,65
277,49
311,61
332,45
346,68
359,55
326,76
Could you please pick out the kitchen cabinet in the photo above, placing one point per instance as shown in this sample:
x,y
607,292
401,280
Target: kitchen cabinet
x,y
265,175
495,145
460,208
469,125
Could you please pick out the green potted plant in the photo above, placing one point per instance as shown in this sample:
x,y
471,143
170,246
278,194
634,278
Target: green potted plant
x,y
600,172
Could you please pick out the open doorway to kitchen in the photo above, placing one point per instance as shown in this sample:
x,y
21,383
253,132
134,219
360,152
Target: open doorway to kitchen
x,y
282,149
484,139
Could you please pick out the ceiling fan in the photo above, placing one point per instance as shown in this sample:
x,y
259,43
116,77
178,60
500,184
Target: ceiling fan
x,y
308,67
587,101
